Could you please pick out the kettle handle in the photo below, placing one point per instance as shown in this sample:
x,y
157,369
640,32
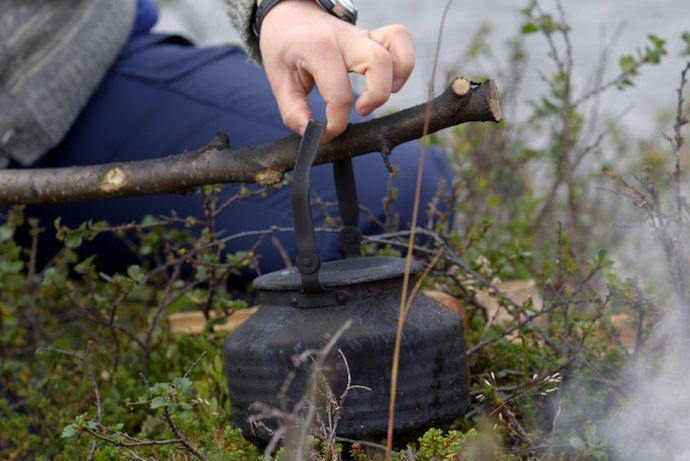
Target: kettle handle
x,y
348,207
308,261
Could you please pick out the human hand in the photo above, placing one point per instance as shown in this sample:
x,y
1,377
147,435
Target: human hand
x,y
302,46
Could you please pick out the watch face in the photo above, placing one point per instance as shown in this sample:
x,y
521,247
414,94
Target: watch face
x,y
343,9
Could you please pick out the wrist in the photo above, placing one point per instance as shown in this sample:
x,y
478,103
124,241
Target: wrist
x,y
342,9
262,9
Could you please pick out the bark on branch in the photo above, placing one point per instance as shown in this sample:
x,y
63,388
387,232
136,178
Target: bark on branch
x,y
265,164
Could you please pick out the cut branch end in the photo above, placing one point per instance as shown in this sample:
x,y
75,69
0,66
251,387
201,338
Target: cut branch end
x,y
460,86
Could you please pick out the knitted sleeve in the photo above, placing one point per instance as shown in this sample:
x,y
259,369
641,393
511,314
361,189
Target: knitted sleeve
x,y
53,55
241,13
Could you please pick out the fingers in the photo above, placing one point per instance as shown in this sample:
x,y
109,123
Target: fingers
x,y
398,41
292,87
302,46
385,56
370,59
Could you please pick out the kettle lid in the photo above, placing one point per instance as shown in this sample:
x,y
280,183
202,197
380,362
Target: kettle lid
x,y
340,273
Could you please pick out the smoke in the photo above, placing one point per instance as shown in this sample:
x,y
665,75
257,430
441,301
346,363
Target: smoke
x,y
655,421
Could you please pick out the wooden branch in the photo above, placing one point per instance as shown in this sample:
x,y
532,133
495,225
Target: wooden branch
x,y
264,164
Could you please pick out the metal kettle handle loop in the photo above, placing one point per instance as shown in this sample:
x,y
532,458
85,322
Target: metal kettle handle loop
x,y
308,261
348,206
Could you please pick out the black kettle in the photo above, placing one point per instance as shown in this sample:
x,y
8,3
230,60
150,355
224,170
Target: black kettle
x,y
304,306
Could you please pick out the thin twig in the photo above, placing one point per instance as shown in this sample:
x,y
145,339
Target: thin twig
x,y
182,440
83,358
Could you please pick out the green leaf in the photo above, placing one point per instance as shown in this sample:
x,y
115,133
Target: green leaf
x,y
529,28
548,24
70,431
577,443
91,425
628,64
657,41
6,233
184,385
73,240
11,267
201,273
159,402
134,272
686,38
623,83
85,265
654,53
549,107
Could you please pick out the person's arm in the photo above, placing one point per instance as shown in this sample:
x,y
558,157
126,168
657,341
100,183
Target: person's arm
x,y
301,45
241,13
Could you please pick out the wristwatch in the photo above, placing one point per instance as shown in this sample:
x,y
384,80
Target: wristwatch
x,y
341,9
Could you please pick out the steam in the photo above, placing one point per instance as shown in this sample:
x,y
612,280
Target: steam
x,y
655,421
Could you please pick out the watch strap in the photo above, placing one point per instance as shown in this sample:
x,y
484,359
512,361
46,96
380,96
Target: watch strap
x,y
262,10
260,14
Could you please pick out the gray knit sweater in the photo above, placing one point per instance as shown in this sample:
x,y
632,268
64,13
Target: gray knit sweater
x,y
53,55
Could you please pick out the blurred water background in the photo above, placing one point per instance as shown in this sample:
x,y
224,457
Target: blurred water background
x,y
620,27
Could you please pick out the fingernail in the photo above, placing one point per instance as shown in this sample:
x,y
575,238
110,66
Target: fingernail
x,y
366,110
302,129
397,85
